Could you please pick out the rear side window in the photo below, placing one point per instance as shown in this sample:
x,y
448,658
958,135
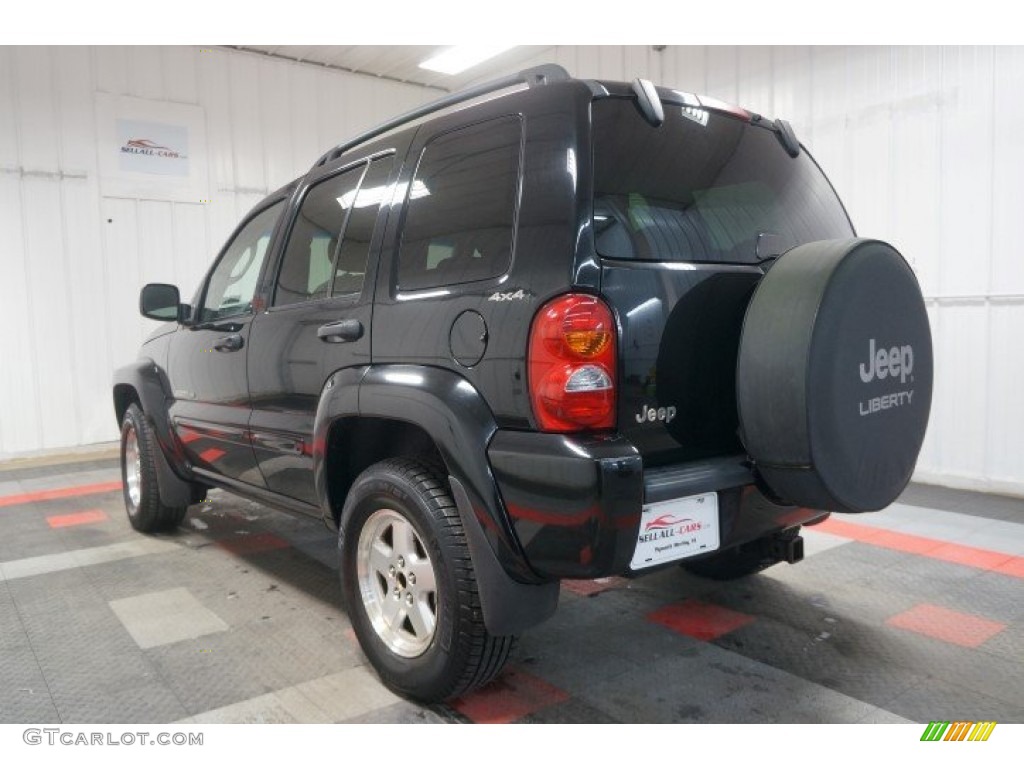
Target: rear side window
x,y
461,206
307,268
703,187
354,251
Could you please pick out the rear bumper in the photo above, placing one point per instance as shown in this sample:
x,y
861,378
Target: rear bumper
x,y
575,502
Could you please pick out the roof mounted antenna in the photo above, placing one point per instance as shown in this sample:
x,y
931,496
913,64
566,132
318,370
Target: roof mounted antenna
x,y
648,102
542,74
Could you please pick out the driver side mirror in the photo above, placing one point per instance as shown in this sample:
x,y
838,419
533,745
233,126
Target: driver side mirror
x,y
160,301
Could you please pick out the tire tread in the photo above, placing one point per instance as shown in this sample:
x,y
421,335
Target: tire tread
x,y
152,515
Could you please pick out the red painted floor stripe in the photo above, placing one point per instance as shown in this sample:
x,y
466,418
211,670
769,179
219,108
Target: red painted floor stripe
x,y
585,588
512,696
955,627
248,545
974,557
1014,567
59,493
697,619
77,518
188,436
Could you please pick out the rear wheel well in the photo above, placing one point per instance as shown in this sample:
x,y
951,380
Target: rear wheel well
x,y
124,395
355,443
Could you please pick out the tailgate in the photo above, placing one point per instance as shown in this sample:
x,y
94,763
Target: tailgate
x,y
680,337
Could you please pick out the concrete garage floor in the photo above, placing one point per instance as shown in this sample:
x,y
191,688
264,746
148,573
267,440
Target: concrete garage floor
x,y
912,614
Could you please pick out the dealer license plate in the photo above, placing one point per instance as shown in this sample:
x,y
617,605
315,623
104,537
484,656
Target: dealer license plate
x,y
672,530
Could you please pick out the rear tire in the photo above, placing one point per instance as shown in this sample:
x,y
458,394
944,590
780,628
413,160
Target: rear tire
x,y
408,582
146,511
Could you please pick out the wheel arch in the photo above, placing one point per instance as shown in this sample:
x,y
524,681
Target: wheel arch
x,y
437,410
423,409
144,384
356,442
124,395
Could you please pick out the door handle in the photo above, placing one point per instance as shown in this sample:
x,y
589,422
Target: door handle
x,y
341,331
228,343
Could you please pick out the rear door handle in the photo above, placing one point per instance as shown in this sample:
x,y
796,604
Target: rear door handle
x,y
228,343
341,331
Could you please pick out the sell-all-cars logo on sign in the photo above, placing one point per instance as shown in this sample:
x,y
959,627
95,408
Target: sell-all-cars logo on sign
x,y
668,526
152,148
147,147
667,521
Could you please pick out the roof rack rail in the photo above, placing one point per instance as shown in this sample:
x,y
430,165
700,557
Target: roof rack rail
x,y
542,74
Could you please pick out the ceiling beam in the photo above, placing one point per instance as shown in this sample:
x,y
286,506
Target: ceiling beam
x,y
327,65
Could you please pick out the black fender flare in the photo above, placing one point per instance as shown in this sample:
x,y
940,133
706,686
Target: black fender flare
x,y
338,399
152,390
456,417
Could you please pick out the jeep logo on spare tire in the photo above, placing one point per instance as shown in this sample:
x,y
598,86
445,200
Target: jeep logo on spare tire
x,y
897,361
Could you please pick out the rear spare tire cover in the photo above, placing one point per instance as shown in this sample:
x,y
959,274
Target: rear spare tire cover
x,y
834,375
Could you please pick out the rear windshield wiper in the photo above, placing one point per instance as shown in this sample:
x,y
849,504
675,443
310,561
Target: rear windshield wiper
x,y
770,246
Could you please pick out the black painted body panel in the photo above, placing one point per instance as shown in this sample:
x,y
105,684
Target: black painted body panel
x,y
210,406
679,337
575,502
414,327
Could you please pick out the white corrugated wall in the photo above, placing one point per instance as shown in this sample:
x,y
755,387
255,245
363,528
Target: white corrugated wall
x,y
72,262
923,145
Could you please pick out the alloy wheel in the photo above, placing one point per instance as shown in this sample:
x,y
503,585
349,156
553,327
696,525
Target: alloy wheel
x,y
133,468
397,583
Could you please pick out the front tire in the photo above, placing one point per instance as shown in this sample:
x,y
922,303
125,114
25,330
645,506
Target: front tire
x,y
146,511
408,582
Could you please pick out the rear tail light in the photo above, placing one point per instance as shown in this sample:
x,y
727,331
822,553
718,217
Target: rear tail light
x,y
572,364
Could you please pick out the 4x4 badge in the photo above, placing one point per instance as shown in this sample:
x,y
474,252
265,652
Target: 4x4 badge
x,y
517,295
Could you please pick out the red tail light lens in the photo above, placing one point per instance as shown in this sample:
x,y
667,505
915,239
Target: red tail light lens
x,y
572,364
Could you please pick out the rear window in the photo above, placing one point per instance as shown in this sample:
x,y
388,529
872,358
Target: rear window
x,y
703,187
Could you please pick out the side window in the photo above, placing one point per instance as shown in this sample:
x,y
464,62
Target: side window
x,y
461,206
355,243
233,283
309,257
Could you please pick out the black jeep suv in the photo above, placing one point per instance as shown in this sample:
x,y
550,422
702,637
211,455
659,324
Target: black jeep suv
x,y
545,328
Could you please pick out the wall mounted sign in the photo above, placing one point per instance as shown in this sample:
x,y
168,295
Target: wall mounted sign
x,y
151,150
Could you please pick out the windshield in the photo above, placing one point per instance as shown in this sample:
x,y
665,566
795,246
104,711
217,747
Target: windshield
x,y
703,187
